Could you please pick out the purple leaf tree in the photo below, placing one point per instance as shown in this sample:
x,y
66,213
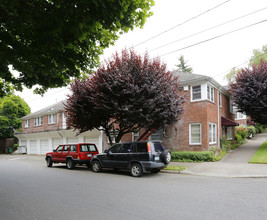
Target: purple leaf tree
x,y
128,93
250,92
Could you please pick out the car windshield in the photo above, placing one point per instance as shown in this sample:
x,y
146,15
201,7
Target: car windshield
x,y
87,148
158,147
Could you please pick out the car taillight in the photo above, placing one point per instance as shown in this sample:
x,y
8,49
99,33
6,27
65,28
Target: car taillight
x,y
148,147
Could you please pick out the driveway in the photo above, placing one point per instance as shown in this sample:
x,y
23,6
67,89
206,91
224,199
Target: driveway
x,y
235,164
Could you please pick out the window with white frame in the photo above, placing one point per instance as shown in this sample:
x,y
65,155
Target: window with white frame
x,y
196,92
51,119
135,136
212,133
220,99
27,123
156,136
210,93
195,134
239,115
38,121
231,106
229,133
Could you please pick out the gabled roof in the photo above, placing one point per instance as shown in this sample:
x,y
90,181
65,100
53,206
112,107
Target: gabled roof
x,y
58,107
190,78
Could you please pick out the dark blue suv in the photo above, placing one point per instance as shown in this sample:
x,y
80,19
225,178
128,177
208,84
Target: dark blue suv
x,y
138,157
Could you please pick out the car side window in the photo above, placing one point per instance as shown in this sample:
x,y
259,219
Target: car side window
x,y
115,148
73,148
66,148
59,148
141,147
126,148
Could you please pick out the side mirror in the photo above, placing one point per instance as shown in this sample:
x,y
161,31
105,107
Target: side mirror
x,y
105,151
54,151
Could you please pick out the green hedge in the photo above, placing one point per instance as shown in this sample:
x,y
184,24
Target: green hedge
x,y
192,156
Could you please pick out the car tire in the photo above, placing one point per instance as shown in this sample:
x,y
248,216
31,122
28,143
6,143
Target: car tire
x,y
166,157
155,170
96,166
49,162
136,170
70,164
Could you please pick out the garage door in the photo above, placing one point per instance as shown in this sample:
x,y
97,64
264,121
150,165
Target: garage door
x,y
56,142
73,141
91,140
44,146
33,147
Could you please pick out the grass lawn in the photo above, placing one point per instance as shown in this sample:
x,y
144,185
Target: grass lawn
x,y
175,168
261,155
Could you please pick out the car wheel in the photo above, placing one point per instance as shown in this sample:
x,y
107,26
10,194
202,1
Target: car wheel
x,y
70,164
49,162
136,170
166,157
96,166
155,170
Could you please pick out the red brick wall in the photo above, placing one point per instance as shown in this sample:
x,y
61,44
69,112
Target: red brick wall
x,y
45,126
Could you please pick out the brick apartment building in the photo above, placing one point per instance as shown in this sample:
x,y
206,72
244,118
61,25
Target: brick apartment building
x,y
44,130
208,116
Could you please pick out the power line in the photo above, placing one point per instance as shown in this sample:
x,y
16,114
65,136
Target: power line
x,y
204,41
207,30
182,23
240,65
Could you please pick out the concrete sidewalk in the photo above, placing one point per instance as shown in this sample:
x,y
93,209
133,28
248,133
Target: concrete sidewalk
x,y
235,164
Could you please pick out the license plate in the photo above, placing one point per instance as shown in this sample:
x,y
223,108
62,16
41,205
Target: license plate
x,y
89,155
156,158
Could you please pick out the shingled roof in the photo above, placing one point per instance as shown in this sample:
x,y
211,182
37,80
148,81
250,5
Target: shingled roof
x,y
58,107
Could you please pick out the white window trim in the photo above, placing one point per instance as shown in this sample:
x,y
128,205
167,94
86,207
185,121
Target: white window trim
x,y
27,123
135,134
38,121
215,130
201,93
190,142
211,95
53,117
220,99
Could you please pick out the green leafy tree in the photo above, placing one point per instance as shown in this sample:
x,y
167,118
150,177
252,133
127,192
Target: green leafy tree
x,y
12,108
50,41
258,55
182,67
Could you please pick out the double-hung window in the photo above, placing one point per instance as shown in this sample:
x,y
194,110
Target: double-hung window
x,y
212,133
210,93
195,134
196,92
51,119
220,99
135,136
38,121
27,123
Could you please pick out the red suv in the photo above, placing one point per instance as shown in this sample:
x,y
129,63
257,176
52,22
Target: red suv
x,y
72,154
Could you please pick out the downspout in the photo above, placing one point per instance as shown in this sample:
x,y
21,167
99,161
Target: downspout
x,y
218,106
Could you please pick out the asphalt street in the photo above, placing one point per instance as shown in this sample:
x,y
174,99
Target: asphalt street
x,y
30,190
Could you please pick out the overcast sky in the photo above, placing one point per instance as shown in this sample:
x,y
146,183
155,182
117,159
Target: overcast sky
x,y
225,41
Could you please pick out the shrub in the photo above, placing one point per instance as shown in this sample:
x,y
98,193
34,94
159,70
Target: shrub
x,y
251,131
225,145
238,138
242,131
192,156
259,128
